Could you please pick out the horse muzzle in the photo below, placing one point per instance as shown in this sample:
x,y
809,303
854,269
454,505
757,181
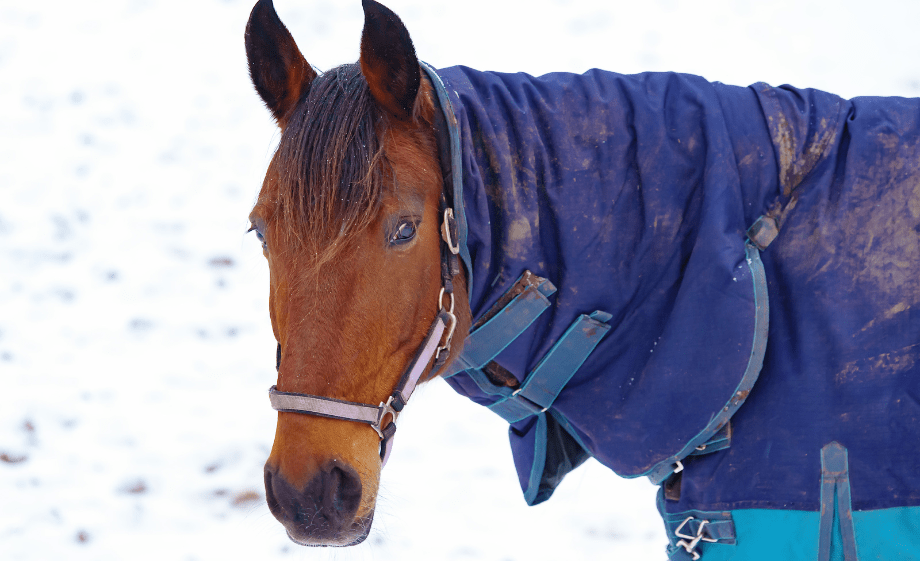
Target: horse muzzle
x,y
324,513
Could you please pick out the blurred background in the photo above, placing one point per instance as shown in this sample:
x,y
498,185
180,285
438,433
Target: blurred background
x,y
135,345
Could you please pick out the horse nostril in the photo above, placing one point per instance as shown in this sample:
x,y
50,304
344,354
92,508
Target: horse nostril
x,y
343,491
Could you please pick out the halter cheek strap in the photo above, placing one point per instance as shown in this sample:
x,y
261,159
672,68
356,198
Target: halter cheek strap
x,y
431,348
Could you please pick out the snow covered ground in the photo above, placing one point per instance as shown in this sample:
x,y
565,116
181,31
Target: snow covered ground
x,y
135,346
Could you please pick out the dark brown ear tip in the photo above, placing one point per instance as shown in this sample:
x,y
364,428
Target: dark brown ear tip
x,y
376,9
278,70
263,10
262,18
388,61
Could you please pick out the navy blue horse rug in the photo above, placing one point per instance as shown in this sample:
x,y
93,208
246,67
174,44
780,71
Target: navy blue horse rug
x,y
712,286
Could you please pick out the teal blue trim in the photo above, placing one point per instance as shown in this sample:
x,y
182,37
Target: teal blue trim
x,y
719,441
457,365
562,361
544,383
514,408
546,288
767,535
662,470
456,167
486,342
601,316
889,534
679,554
837,535
485,385
539,461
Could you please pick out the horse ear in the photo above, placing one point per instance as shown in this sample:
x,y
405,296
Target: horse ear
x,y
279,72
388,60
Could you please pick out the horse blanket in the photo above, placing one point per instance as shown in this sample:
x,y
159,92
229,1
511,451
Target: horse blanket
x,y
713,286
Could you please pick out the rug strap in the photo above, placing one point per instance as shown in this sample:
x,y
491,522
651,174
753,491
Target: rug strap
x,y
836,507
546,381
507,320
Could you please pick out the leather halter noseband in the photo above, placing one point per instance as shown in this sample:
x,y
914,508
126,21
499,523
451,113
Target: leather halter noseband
x,y
446,321
430,348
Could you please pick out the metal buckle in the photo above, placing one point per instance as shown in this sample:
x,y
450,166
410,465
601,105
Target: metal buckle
x,y
694,540
450,335
452,244
450,327
449,310
383,411
524,397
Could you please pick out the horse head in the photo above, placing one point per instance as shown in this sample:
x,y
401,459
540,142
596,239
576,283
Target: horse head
x,y
349,215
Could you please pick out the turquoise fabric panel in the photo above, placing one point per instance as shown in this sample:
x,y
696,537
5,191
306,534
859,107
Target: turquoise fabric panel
x,y
891,533
768,535
792,535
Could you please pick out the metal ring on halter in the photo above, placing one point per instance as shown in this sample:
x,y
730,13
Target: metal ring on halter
x,y
385,409
447,226
450,327
441,301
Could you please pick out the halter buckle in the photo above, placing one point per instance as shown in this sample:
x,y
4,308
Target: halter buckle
x,y
438,359
384,410
451,326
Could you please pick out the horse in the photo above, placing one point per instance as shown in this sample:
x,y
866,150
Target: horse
x,y
710,286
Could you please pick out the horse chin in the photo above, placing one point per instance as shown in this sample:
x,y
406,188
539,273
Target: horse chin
x,y
353,536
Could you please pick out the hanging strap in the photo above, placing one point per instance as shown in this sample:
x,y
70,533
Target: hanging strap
x,y
836,504
760,236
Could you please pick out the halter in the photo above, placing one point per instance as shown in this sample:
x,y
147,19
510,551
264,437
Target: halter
x,y
445,321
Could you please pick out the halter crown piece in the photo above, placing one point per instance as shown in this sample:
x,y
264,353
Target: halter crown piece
x,y
441,329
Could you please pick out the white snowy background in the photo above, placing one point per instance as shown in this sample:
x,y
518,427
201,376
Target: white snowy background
x,y
135,346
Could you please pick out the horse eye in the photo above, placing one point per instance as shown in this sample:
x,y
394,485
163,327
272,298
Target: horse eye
x,y
404,233
259,236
